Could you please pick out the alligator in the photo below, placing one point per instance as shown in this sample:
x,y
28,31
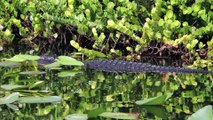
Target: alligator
x,y
121,66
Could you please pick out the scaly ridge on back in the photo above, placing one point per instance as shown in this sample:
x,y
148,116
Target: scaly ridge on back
x,y
120,66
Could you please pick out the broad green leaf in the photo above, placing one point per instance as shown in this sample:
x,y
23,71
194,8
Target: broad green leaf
x,y
205,113
119,115
154,101
9,64
10,98
46,99
76,117
65,60
16,59
28,57
11,87
32,72
67,73
55,65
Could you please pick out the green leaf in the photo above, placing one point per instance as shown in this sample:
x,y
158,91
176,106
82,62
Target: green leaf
x,y
38,83
46,99
154,101
11,106
159,111
119,115
65,60
32,73
169,14
196,7
11,87
205,113
55,65
16,59
28,57
95,112
76,117
68,73
176,23
10,98
9,64
22,58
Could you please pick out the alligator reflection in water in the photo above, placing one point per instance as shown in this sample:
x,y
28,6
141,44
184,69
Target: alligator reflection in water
x,y
136,67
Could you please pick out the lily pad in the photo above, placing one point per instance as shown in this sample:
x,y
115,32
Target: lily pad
x,y
65,60
154,101
205,113
9,64
119,115
76,117
10,98
46,99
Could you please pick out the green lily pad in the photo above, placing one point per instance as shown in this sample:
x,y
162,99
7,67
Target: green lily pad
x,y
76,117
154,101
205,113
46,99
32,73
9,64
65,60
119,115
10,98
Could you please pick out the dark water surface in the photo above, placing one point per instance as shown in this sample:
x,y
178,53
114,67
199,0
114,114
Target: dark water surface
x,y
92,92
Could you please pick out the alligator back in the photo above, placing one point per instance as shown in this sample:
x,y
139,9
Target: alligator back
x,y
121,66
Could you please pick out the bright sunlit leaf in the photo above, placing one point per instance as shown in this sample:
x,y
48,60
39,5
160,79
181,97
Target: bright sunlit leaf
x,y
205,113
65,60
10,98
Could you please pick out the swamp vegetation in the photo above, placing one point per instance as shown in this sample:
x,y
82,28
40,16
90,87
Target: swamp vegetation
x,y
44,43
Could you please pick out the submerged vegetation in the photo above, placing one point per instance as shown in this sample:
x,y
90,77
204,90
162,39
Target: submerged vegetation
x,y
36,84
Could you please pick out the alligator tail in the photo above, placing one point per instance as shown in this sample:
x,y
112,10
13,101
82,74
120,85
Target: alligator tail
x,y
120,66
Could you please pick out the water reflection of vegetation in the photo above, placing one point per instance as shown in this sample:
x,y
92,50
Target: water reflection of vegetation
x,y
94,92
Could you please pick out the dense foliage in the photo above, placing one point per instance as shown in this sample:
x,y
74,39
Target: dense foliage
x,y
104,28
